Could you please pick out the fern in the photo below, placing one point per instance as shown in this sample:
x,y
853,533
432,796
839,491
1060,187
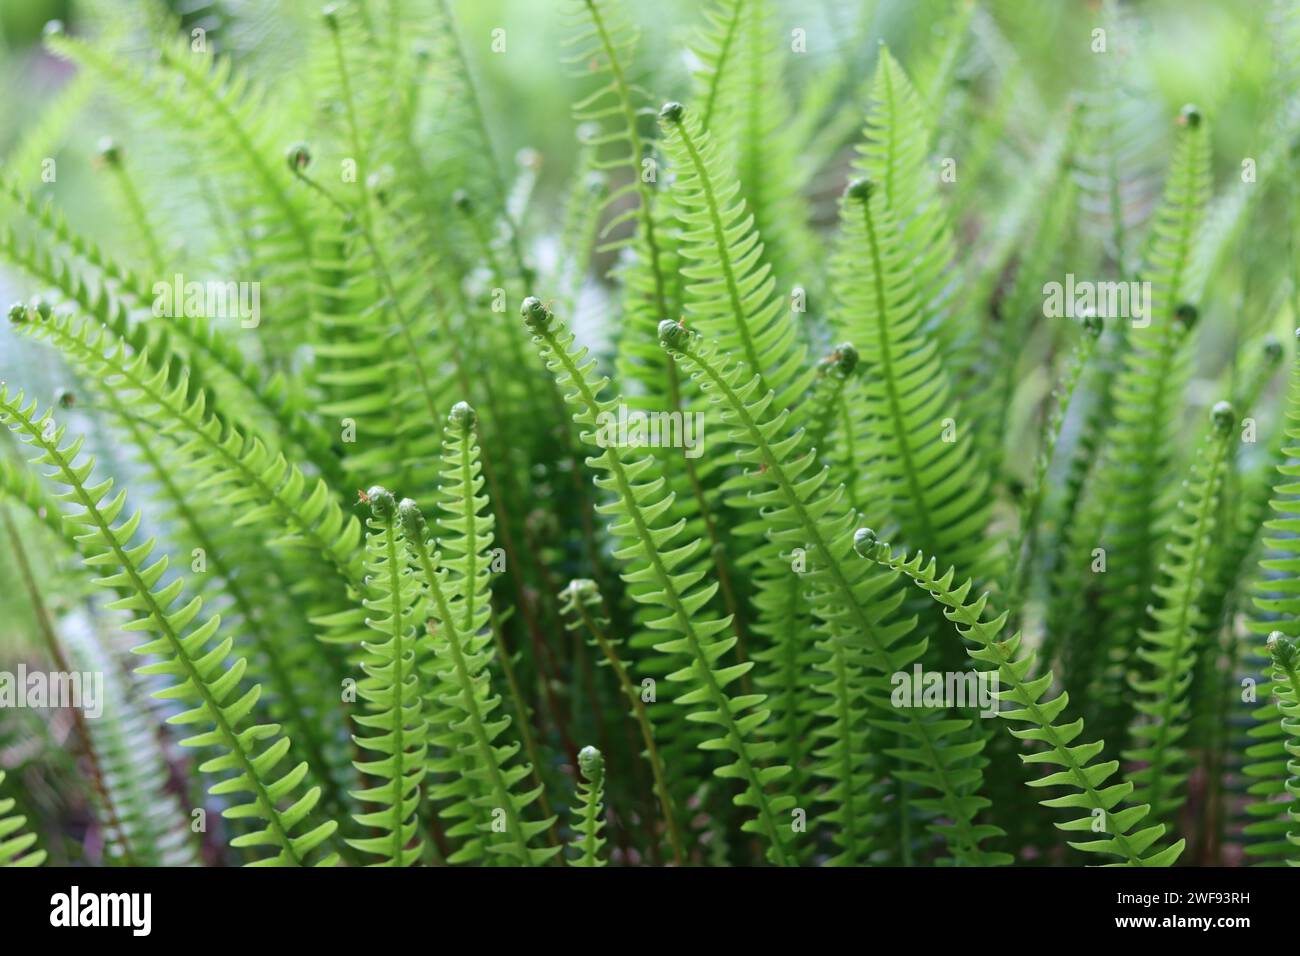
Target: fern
x,y
656,580
198,668
391,688
588,822
1084,777
458,611
15,845
1286,685
1170,648
641,525
853,608
935,486
1155,368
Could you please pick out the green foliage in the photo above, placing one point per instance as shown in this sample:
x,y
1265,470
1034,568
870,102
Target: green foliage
x,y
589,812
16,845
303,240
396,731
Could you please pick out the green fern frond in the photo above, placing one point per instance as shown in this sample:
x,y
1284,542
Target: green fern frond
x,y
589,814
1286,695
395,729
1156,366
857,611
1005,658
894,155
1278,609
929,472
15,845
1170,648
202,677
458,607
581,604
730,292
223,455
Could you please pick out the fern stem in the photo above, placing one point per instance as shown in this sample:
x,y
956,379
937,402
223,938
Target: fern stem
x,y
642,719
525,722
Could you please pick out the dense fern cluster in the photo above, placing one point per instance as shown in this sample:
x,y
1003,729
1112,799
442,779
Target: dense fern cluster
x,y
700,472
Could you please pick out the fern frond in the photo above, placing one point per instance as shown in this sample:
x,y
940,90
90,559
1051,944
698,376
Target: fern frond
x,y
1156,366
1286,695
1278,609
581,602
15,845
929,472
730,293
202,677
395,729
457,589
589,814
1006,658
145,824
1170,648
857,611
894,155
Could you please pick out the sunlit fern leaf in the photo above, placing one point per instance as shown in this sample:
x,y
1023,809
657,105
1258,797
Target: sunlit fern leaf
x,y
1005,658
394,729
743,103
202,677
239,472
929,472
860,630
202,92
730,291
16,844
116,296
457,603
